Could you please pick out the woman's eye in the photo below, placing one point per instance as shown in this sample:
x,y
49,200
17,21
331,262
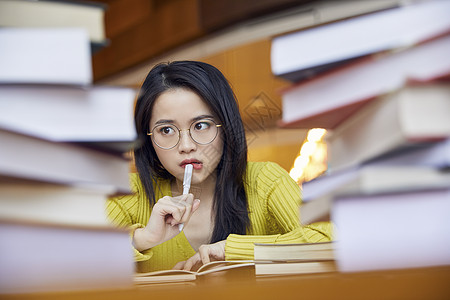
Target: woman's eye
x,y
166,130
203,125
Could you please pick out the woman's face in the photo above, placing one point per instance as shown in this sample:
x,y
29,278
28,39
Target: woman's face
x,y
185,109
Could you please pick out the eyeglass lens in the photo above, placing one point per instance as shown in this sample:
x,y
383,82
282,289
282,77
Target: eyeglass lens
x,y
168,135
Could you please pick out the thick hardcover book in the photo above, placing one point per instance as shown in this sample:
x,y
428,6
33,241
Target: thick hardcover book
x,y
30,158
39,257
39,14
393,230
297,54
291,268
294,252
45,56
53,203
413,114
434,154
97,115
328,100
320,192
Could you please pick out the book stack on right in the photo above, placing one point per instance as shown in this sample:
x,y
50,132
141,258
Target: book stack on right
x,y
63,142
380,84
290,259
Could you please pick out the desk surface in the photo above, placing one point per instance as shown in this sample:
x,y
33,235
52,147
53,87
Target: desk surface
x,y
429,283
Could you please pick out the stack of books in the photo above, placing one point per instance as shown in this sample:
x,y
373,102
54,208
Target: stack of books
x,y
290,259
379,84
63,153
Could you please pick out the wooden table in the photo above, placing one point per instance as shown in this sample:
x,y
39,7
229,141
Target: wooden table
x,y
428,283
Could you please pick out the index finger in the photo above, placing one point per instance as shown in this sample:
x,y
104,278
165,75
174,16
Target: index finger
x,y
204,254
191,262
189,198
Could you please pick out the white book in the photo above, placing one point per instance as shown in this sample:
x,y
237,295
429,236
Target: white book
x,y
422,166
375,179
45,56
319,193
413,114
26,157
52,203
434,154
392,231
291,268
359,36
297,252
68,113
39,257
41,14
328,100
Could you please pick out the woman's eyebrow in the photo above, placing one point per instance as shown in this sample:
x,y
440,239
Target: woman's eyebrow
x,y
168,121
164,121
201,117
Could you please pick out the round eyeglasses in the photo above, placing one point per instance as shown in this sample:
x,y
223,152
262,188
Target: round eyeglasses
x,y
167,136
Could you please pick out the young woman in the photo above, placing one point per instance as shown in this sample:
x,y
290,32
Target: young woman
x,y
186,113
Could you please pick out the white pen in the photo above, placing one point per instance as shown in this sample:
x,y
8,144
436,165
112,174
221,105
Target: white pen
x,y
186,185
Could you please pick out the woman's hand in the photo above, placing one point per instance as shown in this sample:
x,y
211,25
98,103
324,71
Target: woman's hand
x,y
205,254
162,226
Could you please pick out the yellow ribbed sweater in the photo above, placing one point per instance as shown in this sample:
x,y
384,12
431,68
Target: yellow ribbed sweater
x,y
273,200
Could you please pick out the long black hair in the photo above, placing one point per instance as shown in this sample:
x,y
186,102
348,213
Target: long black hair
x,y
230,201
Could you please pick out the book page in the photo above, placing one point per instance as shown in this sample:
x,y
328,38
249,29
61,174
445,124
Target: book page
x,y
184,275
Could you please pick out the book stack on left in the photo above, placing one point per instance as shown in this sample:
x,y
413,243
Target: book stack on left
x,y
63,142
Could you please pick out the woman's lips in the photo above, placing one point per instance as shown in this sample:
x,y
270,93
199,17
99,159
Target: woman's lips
x,y
197,165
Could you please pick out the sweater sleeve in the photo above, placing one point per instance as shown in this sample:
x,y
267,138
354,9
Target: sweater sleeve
x,y
283,199
241,246
119,211
120,217
282,196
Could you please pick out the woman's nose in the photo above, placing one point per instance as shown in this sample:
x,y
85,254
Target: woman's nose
x,y
186,144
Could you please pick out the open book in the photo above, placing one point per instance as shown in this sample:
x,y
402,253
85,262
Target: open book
x,y
166,276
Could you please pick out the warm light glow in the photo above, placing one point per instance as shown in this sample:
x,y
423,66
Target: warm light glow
x,y
308,148
301,162
311,160
296,174
316,134
320,154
